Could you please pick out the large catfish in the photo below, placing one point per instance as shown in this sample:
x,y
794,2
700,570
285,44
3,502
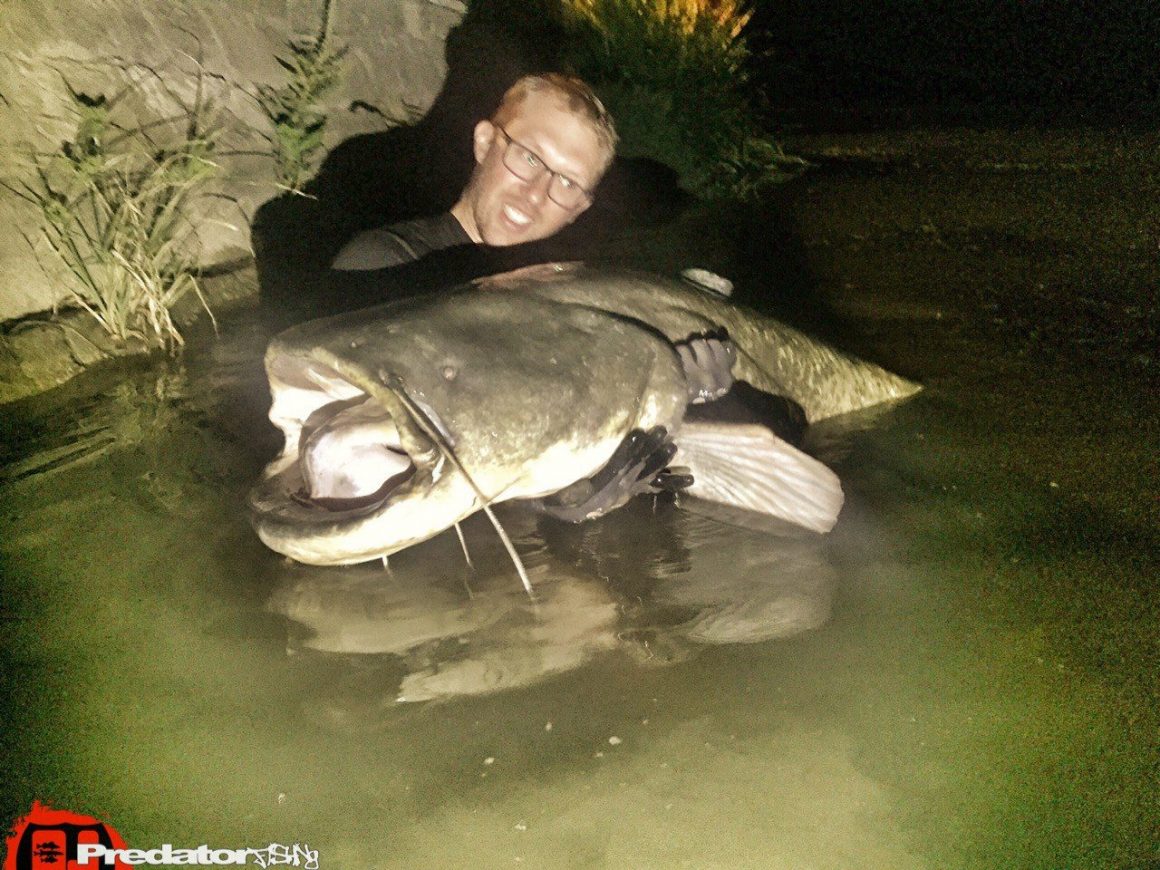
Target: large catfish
x,y
403,419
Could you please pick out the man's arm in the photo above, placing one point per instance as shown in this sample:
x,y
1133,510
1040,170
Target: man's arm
x,y
632,469
374,249
640,464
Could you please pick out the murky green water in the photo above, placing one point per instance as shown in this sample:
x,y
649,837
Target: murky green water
x,y
960,675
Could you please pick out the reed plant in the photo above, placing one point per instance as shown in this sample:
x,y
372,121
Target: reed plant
x,y
114,211
313,68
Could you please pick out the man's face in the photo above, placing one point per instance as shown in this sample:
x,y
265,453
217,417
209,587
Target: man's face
x,y
499,208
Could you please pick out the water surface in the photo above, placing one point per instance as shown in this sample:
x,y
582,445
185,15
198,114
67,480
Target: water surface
x,y
960,675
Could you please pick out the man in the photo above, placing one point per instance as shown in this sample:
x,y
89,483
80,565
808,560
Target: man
x,y
537,163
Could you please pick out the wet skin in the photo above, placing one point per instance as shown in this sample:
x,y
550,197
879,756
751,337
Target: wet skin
x,y
535,377
499,208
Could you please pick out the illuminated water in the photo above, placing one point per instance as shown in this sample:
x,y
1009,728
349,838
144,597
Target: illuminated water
x,y
962,675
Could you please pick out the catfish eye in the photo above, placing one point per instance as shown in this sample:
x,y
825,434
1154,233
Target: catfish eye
x,y
449,372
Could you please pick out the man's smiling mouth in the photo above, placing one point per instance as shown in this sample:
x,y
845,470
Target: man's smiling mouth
x,y
516,216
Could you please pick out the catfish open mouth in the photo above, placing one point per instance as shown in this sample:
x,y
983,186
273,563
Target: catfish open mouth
x,y
348,464
350,458
353,506
352,442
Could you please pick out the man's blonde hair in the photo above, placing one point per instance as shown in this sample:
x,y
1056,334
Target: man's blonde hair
x,y
576,94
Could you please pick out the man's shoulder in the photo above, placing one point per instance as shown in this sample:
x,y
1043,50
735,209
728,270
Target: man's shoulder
x,y
431,233
402,242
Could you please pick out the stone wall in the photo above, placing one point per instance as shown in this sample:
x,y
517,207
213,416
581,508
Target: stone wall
x,y
159,52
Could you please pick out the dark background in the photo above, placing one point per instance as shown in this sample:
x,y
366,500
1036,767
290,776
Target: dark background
x,y
816,66
845,64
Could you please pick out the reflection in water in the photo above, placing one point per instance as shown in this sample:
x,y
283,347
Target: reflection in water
x,y
738,577
130,412
655,581
983,698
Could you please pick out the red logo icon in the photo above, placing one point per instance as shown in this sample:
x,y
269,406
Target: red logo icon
x,y
47,839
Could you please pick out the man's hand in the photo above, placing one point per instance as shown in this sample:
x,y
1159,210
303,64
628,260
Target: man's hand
x,y
639,465
641,462
708,364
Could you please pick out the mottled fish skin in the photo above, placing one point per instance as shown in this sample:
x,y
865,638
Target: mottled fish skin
x,y
515,387
530,395
773,357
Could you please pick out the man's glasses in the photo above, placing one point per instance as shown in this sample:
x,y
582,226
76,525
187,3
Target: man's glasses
x,y
527,165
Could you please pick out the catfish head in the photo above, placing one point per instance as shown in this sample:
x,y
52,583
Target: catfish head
x,y
401,420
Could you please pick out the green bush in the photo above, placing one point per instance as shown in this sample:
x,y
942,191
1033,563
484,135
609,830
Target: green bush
x,y
114,210
673,75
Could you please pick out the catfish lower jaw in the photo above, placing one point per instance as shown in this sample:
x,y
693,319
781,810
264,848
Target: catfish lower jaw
x,y
354,505
308,532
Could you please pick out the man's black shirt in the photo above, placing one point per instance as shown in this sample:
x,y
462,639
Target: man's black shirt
x,y
399,243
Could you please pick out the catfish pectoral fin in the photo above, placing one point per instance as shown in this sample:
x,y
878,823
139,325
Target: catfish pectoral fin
x,y
747,466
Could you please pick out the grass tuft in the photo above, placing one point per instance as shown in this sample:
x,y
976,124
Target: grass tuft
x,y
114,209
